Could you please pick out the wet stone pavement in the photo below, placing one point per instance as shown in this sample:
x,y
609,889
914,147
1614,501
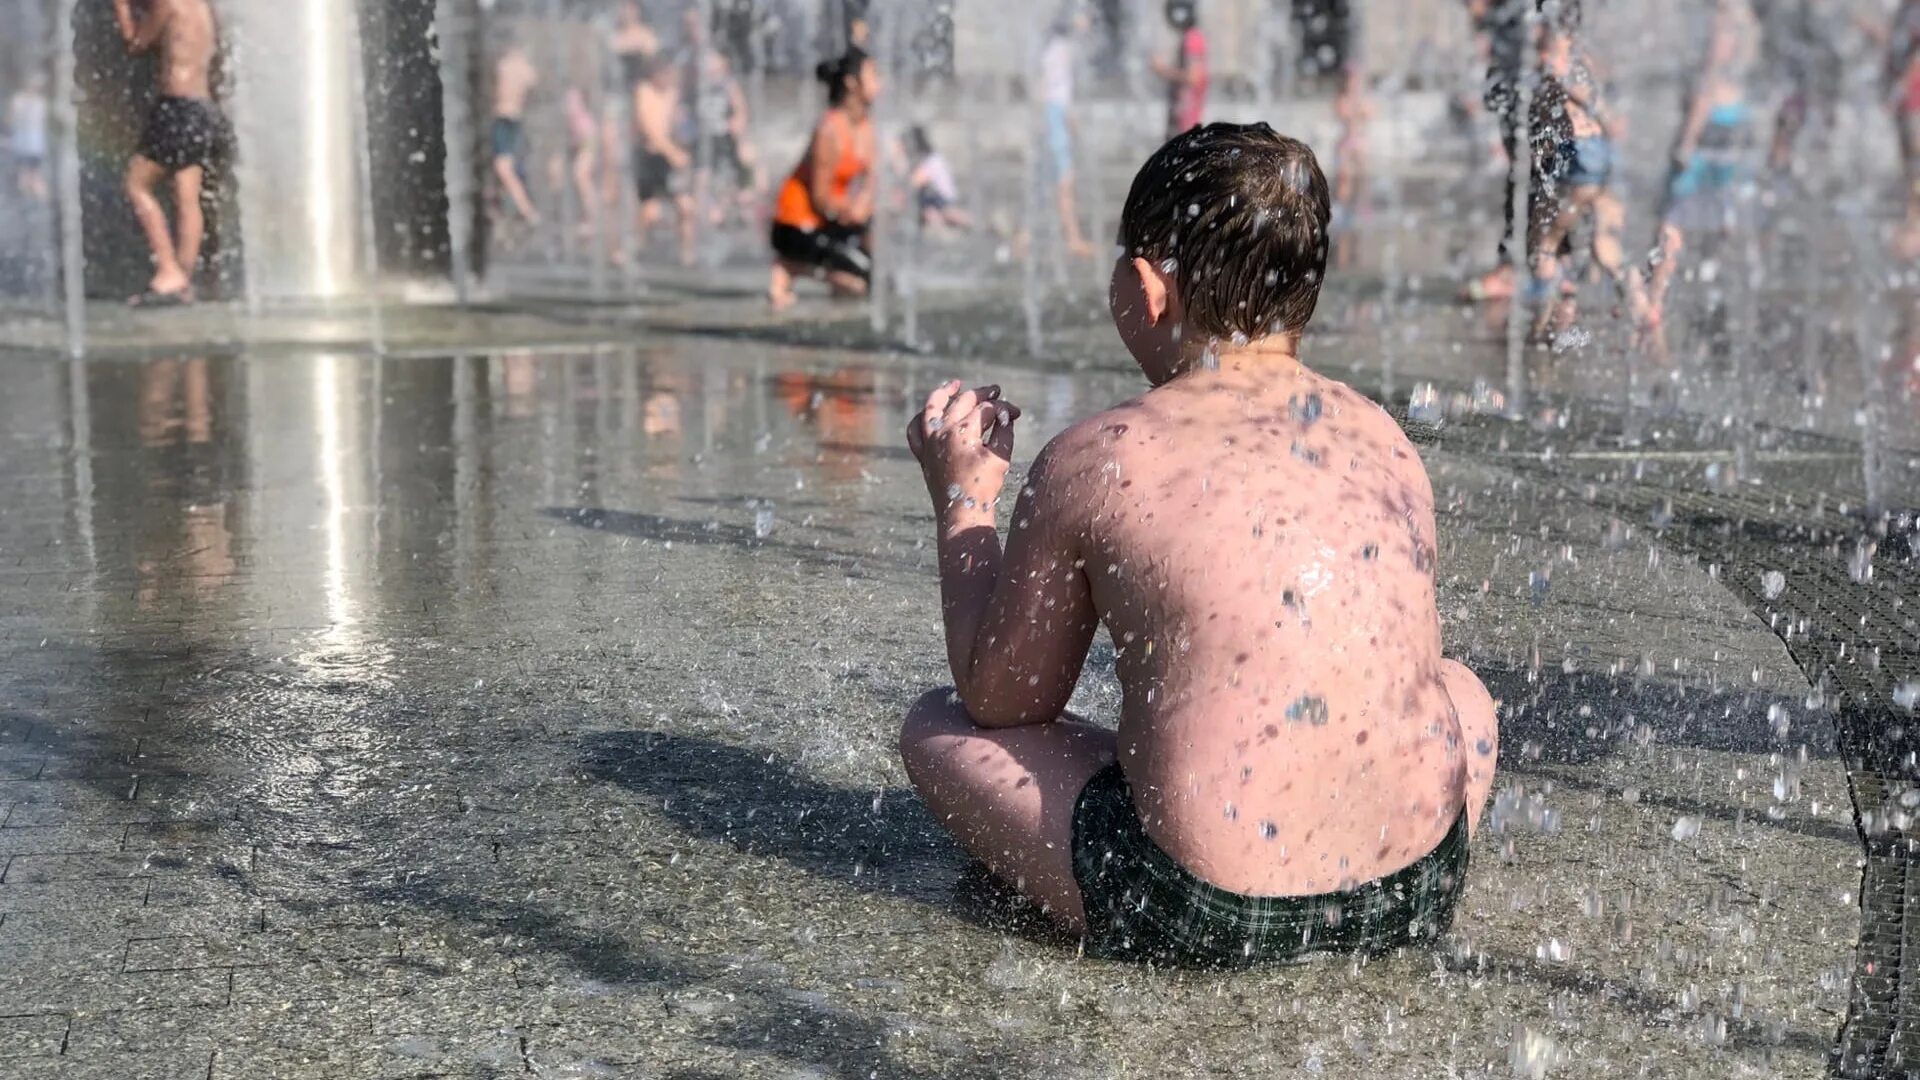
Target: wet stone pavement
x,y
533,713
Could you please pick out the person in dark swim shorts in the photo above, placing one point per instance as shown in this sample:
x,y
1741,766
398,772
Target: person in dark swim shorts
x,y
1142,905
831,248
509,138
653,175
820,218
1271,789
184,135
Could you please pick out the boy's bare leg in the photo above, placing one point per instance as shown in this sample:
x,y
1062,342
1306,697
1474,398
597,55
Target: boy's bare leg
x,y
192,227
685,209
583,187
1479,735
142,175
509,176
1007,794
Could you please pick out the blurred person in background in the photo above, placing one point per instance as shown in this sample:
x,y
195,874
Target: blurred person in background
x,y
1186,74
27,136
184,136
1059,58
514,77
821,218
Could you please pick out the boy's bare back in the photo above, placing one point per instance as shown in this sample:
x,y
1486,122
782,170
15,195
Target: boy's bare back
x,y
1296,768
1261,550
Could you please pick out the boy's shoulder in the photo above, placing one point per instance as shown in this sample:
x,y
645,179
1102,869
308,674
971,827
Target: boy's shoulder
x,y
1091,444
1367,433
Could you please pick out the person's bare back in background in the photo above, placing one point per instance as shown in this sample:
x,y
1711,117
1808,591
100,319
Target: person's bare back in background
x,y
184,134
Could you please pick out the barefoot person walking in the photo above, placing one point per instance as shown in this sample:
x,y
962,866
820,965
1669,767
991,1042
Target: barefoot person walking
x,y
183,135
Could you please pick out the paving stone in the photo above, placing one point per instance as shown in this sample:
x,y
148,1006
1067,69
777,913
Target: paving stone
x,y
152,1065
39,1036
61,839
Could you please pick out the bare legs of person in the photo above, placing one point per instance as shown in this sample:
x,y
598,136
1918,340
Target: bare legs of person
x,y
780,286
1007,794
507,171
1609,217
584,162
172,279
780,293
1069,204
1669,243
653,210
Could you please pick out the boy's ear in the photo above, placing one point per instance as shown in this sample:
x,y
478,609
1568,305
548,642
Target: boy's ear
x,y
1154,287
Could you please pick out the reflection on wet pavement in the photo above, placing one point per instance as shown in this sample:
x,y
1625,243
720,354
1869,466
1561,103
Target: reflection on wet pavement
x,y
535,712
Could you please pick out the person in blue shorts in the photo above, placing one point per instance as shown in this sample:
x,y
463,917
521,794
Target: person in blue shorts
x,y
1712,156
1057,62
1572,177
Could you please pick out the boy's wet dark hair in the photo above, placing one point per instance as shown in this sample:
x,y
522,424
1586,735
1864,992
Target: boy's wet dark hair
x,y
918,144
1239,212
1182,14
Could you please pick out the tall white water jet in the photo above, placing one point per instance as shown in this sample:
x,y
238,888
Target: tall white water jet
x,y
300,149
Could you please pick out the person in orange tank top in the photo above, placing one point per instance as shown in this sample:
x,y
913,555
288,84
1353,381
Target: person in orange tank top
x,y
820,219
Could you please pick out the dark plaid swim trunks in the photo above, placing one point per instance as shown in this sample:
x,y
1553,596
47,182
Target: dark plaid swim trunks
x,y
1141,905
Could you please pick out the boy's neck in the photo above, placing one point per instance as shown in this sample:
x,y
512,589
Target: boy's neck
x,y
1273,354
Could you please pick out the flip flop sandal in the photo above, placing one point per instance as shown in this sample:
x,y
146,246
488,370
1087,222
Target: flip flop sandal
x,y
151,299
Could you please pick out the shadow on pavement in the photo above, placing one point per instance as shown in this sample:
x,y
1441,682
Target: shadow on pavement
x,y
760,804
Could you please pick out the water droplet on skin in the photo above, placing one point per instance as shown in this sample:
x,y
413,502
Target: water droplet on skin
x,y
1268,830
1305,411
1308,709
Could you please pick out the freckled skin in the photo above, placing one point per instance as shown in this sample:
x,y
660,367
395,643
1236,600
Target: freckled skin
x,y
1307,597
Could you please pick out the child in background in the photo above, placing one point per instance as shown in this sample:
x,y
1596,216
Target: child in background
x,y
934,191
1297,769
27,136
1186,75
661,166
1354,110
1580,146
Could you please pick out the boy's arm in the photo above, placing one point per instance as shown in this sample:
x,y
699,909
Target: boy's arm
x,y
1018,622
141,38
123,18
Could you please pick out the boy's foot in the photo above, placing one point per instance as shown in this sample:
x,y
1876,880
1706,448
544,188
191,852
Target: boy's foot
x,y
181,297
780,300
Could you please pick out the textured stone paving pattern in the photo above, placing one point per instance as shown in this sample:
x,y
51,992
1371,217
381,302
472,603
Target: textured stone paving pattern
x,y
534,714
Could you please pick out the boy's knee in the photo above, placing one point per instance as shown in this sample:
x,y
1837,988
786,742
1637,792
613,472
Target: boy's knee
x,y
935,712
1471,700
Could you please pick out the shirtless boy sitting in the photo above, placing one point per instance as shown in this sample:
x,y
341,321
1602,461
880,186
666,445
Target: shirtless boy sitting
x,y
1296,769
